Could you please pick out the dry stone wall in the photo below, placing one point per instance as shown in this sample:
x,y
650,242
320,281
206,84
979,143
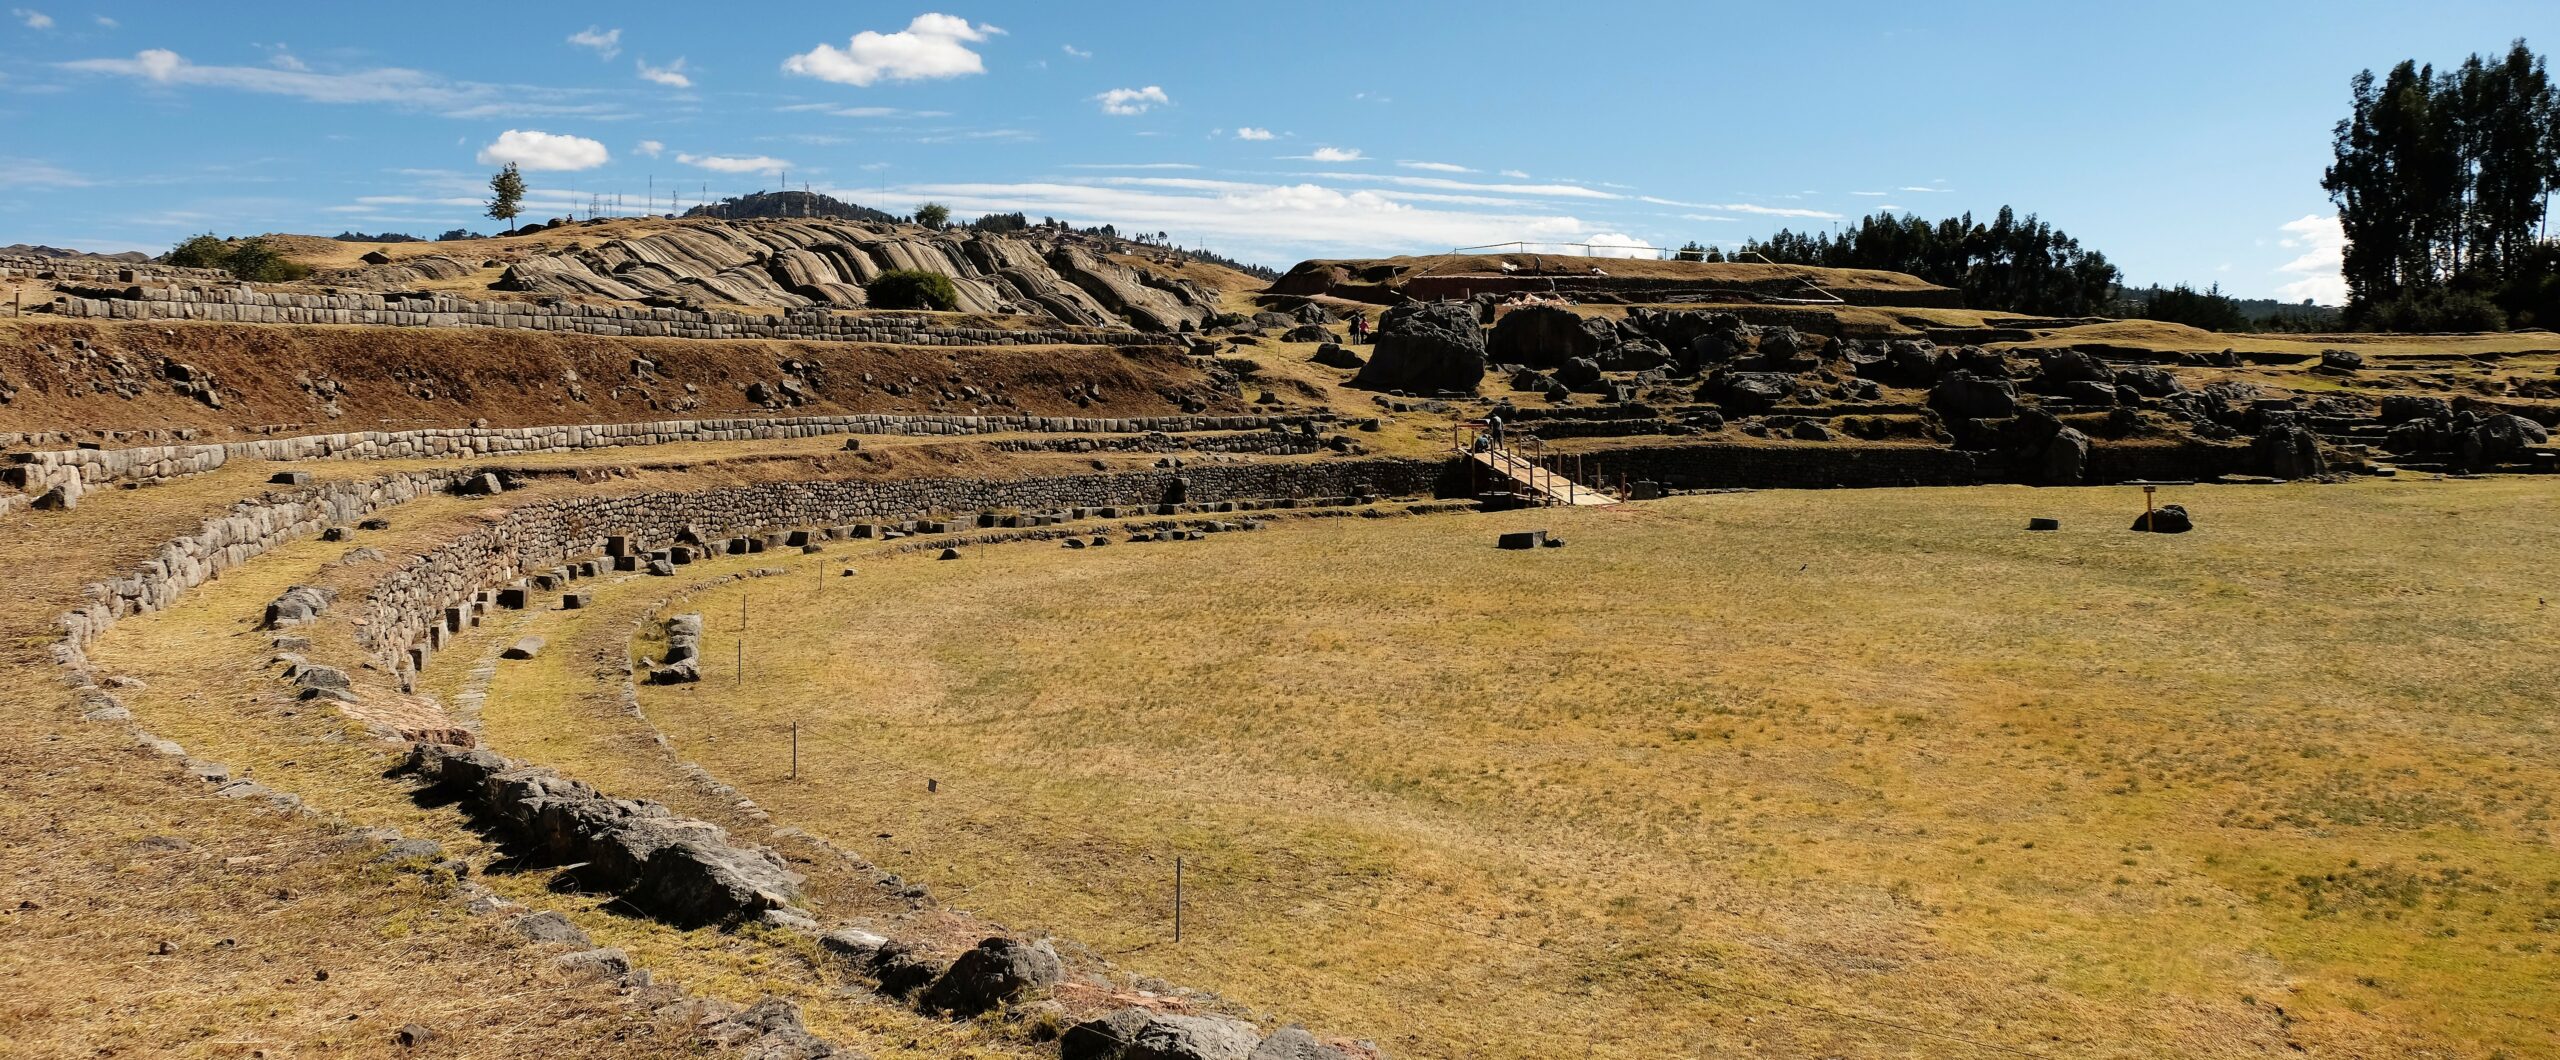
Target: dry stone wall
x,y
249,305
36,473
410,604
91,270
249,530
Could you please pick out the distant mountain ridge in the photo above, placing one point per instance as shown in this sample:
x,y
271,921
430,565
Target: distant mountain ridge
x,y
37,250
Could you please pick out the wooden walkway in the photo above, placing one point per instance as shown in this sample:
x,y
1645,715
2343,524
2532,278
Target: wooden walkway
x,y
1539,483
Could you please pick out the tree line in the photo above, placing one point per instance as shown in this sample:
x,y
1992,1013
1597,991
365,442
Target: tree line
x,y
2443,181
2013,264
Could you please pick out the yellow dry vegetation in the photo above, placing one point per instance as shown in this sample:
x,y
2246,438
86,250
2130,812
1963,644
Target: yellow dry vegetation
x,y
1870,773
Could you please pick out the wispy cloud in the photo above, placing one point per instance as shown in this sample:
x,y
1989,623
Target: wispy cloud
x,y
671,75
1127,101
391,86
1436,167
1918,188
1772,211
1249,132
606,43
1331,154
1131,165
932,46
650,148
863,112
1074,52
734,164
30,173
1515,174
1267,222
33,19
530,149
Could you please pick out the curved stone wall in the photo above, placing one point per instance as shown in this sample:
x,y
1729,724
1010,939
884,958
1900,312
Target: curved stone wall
x,y
249,305
38,472
411,602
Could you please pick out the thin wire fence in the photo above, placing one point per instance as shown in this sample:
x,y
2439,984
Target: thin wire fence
x,y
1123,875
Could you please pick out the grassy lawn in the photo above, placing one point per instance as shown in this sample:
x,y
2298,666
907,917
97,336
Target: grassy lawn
x,y
1730,774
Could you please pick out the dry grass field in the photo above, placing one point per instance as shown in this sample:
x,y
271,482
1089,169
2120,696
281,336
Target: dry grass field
x,y
1869,773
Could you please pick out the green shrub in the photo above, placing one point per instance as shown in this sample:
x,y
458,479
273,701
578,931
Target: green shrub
x,y
206,251
913,289
254,260
2435,309
248,259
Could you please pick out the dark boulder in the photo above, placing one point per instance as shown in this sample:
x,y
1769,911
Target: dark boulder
x,y
2341,362
1307,333
2056,368
2064,460
1963,395
1580,373
2149,381
1747,393
2087,392
998,971
2287,451
2500,439
1545,336
1334,355
1425,347
1636,355
2401,408
2166,519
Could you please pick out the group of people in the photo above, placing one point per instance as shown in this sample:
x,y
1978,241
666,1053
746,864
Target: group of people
x,y
1359,327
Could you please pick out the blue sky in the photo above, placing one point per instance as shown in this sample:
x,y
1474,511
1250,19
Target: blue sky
x,y
2184,140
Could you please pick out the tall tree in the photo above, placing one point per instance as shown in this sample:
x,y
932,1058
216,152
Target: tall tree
x,y
506,195
2442,182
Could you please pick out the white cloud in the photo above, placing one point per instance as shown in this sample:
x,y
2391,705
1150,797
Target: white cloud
x,y
1131,165
1620,245
1076,52
393,86
1333,154
1250,133
541,150
107,23
1872,194
866,112
33,19
932,46
651,148
1706,217
670,75
1271,223
734,164
1515,174
1538,191
1914,187
1437,167
1774,211
606,43
2319,270
284,59
1126,101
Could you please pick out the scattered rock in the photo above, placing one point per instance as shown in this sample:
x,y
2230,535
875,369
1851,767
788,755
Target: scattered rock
x,y
2166,519
998,971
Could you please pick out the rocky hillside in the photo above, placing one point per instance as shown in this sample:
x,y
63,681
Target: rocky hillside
x,y
829,263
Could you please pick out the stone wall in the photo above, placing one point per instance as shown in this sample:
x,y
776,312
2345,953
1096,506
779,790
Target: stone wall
x,y
93,270
251,528
249,305
40,472
1869,466
411,602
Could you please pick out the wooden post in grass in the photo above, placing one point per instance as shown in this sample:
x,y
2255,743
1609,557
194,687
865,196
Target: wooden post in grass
x,y
1177,898
2147,509
795,750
